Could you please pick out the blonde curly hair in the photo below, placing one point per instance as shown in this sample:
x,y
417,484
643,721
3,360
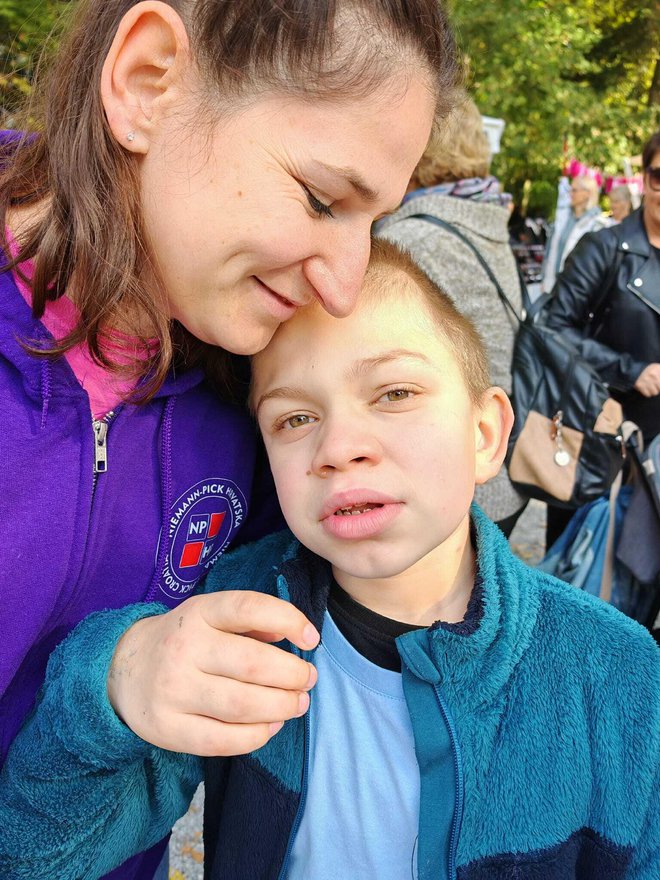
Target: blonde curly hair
x,y
461,149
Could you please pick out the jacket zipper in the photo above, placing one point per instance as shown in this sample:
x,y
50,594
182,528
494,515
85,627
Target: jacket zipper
x,y
100,427
459,783
303,794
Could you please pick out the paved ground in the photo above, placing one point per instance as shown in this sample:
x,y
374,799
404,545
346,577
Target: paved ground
x,y
186,848
528,538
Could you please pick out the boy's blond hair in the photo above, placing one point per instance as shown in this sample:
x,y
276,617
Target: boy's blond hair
x,y
393,272
387,265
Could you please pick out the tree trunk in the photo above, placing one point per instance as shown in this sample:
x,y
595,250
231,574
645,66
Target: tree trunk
x,y
654,91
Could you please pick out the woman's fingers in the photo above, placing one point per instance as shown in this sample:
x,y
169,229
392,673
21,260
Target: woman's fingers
x,y
648,382
243,658
237,702
244,611
191,680
210,739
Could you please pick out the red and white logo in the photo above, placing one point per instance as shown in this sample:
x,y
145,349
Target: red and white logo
x,y
202,522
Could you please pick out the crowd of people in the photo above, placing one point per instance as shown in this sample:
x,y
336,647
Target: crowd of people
x,y
258,308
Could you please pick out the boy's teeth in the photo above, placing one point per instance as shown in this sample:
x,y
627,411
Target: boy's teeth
x,y
357,510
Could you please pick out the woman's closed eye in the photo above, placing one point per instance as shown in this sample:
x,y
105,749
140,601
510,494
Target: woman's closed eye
x,y
317,205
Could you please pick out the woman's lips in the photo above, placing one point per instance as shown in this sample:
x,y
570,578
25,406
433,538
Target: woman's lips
x,y
279,306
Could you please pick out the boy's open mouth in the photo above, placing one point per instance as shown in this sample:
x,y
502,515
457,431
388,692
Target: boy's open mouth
x,y
356,510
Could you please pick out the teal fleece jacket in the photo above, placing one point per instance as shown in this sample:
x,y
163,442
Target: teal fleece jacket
x,y
543,710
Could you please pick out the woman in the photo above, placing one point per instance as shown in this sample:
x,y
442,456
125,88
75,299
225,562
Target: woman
x,y
576,216
621,205
452,183
200,170
623,342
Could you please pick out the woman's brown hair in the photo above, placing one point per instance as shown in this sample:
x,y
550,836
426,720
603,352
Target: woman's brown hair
x,y
91,233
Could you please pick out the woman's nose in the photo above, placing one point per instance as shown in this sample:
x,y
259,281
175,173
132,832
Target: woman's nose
x,y
337,273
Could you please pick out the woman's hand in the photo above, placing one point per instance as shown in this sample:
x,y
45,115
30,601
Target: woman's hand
x,y
201,678
648,381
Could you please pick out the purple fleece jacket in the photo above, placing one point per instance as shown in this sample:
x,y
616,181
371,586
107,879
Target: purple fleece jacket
x,y
72,541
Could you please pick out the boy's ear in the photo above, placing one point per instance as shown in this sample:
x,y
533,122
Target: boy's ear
x,y
142,70
493,426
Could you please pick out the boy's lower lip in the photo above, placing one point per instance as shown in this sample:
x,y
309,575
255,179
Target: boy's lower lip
x,y
364,525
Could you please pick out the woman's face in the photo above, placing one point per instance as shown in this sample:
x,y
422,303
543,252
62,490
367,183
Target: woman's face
x,y
652,198
620,208
273,208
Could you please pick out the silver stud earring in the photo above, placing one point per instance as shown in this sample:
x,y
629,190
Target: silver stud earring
x,y
130,137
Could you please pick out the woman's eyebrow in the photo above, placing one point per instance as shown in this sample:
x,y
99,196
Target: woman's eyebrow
x,y
351,176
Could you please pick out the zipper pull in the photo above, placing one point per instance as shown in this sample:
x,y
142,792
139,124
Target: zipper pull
x,y
100,446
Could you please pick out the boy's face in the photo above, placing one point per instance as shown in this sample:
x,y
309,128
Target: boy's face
x,y
371,434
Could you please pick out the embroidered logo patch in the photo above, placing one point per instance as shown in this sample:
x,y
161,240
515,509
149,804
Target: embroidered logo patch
x,y
202,522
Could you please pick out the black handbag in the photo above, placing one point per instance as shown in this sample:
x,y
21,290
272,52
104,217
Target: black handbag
x,y
565,447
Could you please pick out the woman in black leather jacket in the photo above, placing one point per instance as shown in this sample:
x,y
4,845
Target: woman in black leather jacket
x,y
623,343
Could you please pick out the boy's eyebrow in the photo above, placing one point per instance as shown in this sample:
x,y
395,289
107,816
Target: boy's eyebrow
x,y
365,364
354,179
284,392
359,368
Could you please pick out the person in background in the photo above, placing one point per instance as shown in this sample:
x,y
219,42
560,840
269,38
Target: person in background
x,y
197,171
574,218
620,202
452,181
624,344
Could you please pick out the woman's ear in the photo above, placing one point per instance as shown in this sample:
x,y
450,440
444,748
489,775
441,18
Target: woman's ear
x,y
493,426
142,71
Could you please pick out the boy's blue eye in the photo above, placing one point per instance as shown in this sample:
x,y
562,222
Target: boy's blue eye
x,y
316,205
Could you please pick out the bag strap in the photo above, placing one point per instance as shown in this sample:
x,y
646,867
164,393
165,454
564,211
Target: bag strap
x,y
628,430
506,302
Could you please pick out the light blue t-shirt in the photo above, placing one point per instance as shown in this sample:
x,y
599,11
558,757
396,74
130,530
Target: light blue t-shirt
x,y
362,809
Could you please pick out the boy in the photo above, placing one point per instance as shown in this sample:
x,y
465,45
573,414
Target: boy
x,y
473,718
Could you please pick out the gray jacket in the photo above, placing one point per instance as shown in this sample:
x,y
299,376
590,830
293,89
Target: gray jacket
x,y
453,266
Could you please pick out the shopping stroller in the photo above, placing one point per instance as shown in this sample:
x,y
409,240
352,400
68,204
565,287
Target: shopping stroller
x,y
611,547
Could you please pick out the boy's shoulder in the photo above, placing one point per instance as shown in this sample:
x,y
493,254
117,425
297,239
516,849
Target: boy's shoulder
x,y
571,630
610,649
253,566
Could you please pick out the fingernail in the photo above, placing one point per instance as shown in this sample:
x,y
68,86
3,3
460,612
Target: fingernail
x,y
311,636
303,704
313,675
275,727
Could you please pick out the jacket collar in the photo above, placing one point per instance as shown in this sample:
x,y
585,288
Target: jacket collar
x,y
17,326
631,235
474,668
486,220
474,662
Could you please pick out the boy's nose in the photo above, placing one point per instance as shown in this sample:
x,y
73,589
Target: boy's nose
x,y
343,447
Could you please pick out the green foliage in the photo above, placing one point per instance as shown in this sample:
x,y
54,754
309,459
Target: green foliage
x,y
584,71
25,28
580,71
542,199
